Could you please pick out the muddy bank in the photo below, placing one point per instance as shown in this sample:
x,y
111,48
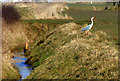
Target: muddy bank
x,y
8,71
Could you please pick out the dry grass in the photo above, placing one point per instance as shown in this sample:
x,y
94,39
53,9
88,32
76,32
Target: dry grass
x,y
65,53
42,10
8,72
70,54
14,38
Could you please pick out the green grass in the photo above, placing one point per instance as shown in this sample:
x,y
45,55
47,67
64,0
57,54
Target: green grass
x,y
60,47
65,55
81,14
106,21
49,21
58,53
88,6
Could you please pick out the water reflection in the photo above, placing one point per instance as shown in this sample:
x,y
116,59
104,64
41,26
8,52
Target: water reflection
x,y
24,69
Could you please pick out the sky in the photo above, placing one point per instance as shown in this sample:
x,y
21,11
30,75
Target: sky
x,y
65,0
49,0
19,0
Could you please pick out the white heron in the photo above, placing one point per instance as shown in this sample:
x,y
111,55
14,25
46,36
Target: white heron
x,y
88,27
91,2
61,10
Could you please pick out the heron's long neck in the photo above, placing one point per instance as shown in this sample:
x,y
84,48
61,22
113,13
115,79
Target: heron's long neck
x,y
92,22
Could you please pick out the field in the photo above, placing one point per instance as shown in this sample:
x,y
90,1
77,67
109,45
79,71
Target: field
x,y
59,50
64,47
106,20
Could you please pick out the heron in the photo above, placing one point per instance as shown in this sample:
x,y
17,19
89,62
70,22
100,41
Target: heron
x,y
61,10
88,27
91,2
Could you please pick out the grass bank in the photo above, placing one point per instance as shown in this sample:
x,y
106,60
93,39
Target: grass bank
x,y
8,71
61,51
66,52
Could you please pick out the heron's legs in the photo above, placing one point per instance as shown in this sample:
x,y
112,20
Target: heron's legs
x,y
86,32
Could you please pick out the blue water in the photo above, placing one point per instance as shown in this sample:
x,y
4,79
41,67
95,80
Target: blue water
x,y
24,69
20,58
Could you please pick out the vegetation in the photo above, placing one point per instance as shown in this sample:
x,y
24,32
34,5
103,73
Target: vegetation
x,y
8,71
105,20
59,50
69,54
10,14
81,14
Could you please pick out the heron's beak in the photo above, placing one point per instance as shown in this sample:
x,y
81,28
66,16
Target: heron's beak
x,y
94,19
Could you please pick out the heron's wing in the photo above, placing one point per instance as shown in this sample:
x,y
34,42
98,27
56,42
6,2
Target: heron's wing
x,y
86,28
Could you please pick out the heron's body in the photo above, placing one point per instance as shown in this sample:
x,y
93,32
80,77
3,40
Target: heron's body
x,y
87,28
61,10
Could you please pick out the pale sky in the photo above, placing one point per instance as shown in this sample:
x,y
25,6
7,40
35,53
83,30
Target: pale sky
x,y
66,0
19,0
49,0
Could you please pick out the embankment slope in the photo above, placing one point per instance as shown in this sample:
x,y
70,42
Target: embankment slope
x,y
67,53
